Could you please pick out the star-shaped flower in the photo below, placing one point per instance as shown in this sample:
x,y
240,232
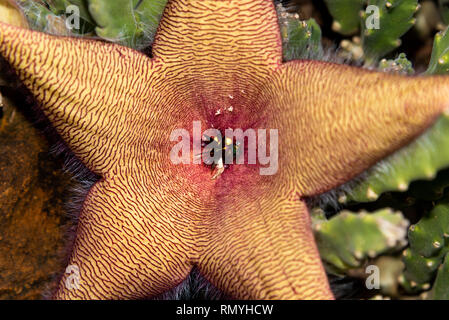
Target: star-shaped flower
x,y
147,221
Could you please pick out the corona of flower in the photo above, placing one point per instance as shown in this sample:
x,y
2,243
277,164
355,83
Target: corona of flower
x,y
235,146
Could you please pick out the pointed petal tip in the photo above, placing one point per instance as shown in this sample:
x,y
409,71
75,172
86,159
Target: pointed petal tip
x,y
369,115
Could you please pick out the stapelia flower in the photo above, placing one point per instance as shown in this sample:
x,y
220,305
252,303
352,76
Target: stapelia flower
x,y
147,221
